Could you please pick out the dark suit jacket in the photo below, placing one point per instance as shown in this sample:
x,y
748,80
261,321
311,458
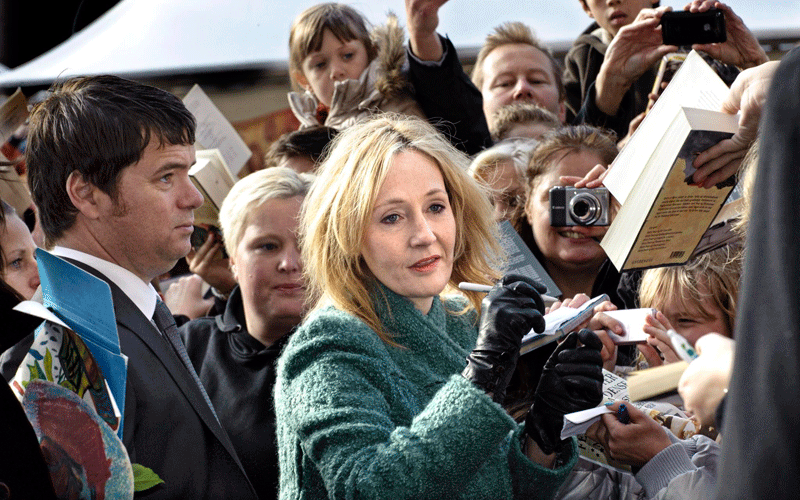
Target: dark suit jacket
x,y
168,426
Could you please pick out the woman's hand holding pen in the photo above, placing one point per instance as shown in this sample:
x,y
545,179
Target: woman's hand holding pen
x,y
633,443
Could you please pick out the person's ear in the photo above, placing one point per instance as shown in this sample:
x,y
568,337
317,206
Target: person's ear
x,y
232,265
587,9
301,80
562,111
84,195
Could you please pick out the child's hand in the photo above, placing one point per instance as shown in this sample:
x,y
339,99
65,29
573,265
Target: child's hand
x,y
601,322
657,326
634,443
705,382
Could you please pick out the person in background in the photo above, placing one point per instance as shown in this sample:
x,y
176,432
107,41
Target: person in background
x,y
374,397
300,150
108,167
522,120
18,266
347,73
571,255
502,167
235,352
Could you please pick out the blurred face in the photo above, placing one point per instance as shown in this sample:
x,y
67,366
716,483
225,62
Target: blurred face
x,y
612,15
21,272
266,263
564,247
517,72
335,61
691,322
149,226
411,233
507,189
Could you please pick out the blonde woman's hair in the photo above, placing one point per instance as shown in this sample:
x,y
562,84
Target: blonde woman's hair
x,y
515,32
520,113
252,192
713,275
306,33
339,207
747,179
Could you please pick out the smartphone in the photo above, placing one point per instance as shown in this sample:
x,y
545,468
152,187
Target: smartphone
x,y
684,28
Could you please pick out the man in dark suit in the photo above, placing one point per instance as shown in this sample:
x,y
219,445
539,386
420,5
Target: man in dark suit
x,y
108,163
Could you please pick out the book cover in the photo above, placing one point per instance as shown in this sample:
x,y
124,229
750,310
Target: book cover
x,y
212,177
656,381
665,216
522,261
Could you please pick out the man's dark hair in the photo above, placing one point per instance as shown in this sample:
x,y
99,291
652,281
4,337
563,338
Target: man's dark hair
x,y
97,126
308,142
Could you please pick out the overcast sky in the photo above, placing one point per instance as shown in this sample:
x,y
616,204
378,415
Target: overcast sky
x,y
468,21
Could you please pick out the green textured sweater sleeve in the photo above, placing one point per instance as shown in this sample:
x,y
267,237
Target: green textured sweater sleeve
x,y
350,425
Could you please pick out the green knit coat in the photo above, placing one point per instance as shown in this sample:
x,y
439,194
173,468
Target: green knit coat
x,y
358,418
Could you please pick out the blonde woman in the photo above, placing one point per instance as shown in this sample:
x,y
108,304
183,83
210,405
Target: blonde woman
x,y
374,398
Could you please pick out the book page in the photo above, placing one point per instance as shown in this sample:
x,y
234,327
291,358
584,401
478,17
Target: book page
x,y
214,131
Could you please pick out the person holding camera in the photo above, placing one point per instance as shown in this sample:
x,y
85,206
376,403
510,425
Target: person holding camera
x,y
569,249
609,71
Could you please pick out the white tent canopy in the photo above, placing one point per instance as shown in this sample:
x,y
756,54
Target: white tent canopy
x,y
149,38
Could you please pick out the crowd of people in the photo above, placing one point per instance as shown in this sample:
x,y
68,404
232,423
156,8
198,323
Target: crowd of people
x,y
334,355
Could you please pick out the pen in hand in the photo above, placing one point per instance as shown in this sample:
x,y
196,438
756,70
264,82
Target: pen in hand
x,y
622,414
475,287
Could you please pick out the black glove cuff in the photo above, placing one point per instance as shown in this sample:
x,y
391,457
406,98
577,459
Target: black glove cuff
x,y
544,427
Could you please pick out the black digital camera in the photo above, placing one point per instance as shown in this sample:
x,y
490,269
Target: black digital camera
x,y
683,28
571,206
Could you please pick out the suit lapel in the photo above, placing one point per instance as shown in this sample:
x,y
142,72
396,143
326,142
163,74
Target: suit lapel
x,y
131,318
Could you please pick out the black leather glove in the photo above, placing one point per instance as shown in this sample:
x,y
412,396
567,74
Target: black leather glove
x,y
508,312
572,380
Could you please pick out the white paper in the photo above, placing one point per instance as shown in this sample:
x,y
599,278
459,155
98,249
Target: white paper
x,y
38,310
632,321
214,131
578,422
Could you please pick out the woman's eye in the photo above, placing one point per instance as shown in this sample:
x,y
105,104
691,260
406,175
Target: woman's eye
x,y
390,219
15,264
319,65
347,56
437,208
269,246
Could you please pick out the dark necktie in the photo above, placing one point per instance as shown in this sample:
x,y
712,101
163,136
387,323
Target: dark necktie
x,y
166,323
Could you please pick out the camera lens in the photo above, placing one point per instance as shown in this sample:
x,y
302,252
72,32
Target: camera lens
x,y
585,209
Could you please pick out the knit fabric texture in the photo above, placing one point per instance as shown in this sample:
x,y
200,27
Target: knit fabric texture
x,y
359,418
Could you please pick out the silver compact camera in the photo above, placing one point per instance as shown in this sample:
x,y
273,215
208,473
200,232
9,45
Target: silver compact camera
x,y
571,206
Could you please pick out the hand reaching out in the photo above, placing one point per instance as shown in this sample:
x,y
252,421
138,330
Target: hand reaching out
x,y
633,51
634,443
214,271
748,95
423,19
741,47
657,326
705,382
185,297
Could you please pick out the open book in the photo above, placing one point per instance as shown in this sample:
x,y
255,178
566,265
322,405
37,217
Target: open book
x,y
214,180
663,216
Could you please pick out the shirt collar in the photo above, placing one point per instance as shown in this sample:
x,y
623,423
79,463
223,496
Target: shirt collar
x,y
141,293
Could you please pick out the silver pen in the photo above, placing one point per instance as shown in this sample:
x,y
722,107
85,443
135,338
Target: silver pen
x,y
475,287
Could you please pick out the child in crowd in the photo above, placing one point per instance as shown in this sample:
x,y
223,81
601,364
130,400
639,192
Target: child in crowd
x,y
612,102
502,168
346,71
693,300
522,120
18,265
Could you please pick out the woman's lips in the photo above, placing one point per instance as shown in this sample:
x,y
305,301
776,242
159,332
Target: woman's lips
x,y
426,264
289,288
